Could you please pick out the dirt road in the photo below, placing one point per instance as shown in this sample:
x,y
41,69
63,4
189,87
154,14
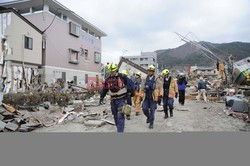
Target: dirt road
x,y
199,117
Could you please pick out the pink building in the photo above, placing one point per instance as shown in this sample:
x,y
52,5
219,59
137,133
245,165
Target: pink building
x,y
71,45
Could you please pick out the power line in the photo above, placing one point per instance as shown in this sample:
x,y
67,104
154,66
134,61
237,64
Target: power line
x,y
70,11
199,46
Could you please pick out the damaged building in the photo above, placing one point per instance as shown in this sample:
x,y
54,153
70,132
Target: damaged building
x,y
71,45
20,51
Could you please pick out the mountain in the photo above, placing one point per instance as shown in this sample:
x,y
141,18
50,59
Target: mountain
x,y
188,55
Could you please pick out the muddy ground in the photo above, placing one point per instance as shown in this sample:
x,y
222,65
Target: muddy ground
x,y
199,117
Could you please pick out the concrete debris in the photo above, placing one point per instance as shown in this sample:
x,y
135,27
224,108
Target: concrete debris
x,y
92,102
68,109
12,126
1,117
13,121
79,119
94,123
77,103
44,119
62,120
28,127
2,125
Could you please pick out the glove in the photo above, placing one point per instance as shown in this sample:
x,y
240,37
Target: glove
x,y
101,101
176,95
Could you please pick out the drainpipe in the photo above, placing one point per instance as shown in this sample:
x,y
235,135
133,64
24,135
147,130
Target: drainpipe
x,y
23,45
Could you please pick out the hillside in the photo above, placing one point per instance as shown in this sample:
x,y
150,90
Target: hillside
x,y
187,54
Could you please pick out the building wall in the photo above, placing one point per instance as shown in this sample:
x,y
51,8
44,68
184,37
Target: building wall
x,y
59,41
15,31
51,74
143,61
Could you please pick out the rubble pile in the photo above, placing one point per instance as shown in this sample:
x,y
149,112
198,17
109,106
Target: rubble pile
x,y
24,112
12,120
235,97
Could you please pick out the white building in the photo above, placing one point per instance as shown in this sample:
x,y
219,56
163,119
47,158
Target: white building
x,y
145,59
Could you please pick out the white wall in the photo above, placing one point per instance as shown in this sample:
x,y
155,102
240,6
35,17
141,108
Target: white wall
x,y
54,73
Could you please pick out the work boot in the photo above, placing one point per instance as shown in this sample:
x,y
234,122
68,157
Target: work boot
x,y
171,113
166,114
147,120
151,126
128,117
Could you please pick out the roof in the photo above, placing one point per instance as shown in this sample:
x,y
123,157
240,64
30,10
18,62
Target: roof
x,y
21,4
8,10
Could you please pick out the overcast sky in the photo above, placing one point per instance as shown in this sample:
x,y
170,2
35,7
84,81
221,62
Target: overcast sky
x,y
149,25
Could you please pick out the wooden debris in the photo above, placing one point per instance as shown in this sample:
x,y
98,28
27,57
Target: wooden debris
x,y
10,108
109,122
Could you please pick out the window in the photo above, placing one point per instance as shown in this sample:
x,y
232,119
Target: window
x,y
74,29
86,53
81,51
97,57
143,59
134,59
28,43
86,78
65,18
73,56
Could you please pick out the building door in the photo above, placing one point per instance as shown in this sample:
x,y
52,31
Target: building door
x,y
64,77
75,80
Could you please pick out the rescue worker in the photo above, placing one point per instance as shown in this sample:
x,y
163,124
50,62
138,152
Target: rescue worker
x,y
221,70
182,82
202,89
151,89
116,86
170,88
130,93
137,98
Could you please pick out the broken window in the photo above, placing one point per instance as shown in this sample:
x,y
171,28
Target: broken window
x,y
86,53
73,56
65,18
28,43
97,57
81,52
74,29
